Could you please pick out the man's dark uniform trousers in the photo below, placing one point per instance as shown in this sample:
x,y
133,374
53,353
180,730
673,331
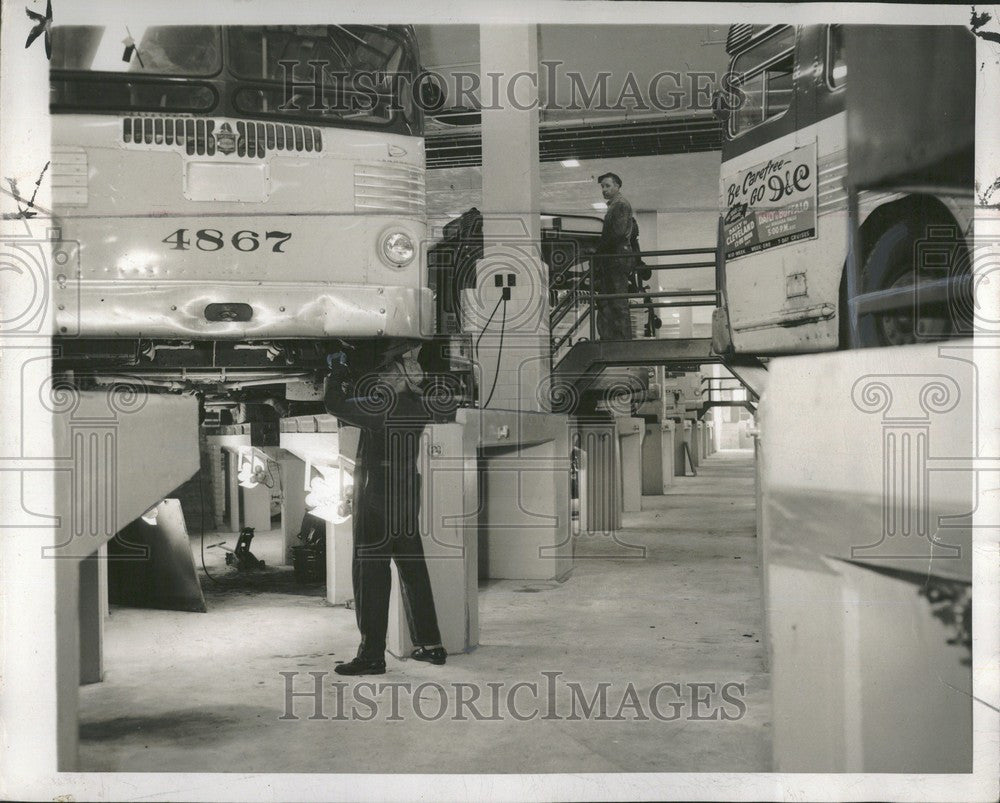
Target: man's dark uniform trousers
x,y
611,274
386,513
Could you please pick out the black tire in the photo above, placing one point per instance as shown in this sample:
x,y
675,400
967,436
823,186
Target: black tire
x,y
892,263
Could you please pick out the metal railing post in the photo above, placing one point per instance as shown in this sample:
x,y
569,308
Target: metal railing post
x,y
591,308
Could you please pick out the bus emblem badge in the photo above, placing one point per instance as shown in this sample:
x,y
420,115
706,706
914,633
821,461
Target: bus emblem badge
x,y
225,139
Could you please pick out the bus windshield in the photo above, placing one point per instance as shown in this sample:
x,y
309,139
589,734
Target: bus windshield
x,y
257,52
239,71
346,58
156,50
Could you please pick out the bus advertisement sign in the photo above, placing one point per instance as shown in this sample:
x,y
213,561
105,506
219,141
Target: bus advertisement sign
x,y
770,204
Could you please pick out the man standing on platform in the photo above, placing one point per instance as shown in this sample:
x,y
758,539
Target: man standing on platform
x,y
614,261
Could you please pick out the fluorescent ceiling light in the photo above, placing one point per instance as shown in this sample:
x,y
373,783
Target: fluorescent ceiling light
x,y
570,163
600,205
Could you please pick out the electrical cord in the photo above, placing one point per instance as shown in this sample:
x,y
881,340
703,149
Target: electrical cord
x,y
487,324
496,375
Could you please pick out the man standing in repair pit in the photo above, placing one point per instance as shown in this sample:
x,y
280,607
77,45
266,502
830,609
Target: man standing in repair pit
x,y
613,262
392,414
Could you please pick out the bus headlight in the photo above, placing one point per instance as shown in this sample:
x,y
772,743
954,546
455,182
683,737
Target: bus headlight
x,y
397,249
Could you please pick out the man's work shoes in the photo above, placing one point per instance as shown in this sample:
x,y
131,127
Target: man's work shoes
x,y
361,666
433,655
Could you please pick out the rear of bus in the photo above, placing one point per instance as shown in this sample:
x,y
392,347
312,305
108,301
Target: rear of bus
x,y
207,204
783,232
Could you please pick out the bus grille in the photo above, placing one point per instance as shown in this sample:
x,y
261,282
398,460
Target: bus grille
x,y
389,188
199,136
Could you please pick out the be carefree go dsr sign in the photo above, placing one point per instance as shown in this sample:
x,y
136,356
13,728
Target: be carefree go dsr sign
x,y
770,204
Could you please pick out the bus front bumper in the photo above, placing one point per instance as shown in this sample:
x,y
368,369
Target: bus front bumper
x,y
277,310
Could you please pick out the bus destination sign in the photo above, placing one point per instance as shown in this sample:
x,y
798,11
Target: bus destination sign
x,y
770,204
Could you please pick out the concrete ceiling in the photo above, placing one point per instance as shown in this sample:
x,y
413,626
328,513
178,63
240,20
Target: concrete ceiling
x,y
642,50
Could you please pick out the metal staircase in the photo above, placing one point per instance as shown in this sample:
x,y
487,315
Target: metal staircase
x,y
587,366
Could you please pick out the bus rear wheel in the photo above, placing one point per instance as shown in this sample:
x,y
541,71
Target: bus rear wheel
x,y
891,264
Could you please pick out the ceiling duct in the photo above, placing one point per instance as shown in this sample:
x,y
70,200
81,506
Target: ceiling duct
x,y
595,140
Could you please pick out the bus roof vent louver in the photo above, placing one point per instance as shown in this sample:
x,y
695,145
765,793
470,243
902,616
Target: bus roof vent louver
x,y
738,36
199,136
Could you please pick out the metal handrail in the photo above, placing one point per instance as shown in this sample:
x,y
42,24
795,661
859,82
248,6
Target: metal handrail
x,y
583,288
566,304
660,294
569,332
672,305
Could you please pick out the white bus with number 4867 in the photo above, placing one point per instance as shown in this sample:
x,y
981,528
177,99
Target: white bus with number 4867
x,y
235,201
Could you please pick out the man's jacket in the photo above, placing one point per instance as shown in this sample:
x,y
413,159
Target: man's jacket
x,y
386,479
616,235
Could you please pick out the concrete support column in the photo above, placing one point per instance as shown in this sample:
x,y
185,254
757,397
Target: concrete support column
x,y
340,536
652,461
527,500
93,609
293,500
218,462
256,507
229,446
658,458
319,441
232,492
511,237
599,441
680,438
697,438
630,434
91,498
339,558
449,533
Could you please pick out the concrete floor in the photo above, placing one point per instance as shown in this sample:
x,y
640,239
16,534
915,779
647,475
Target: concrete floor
x,y
202,692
